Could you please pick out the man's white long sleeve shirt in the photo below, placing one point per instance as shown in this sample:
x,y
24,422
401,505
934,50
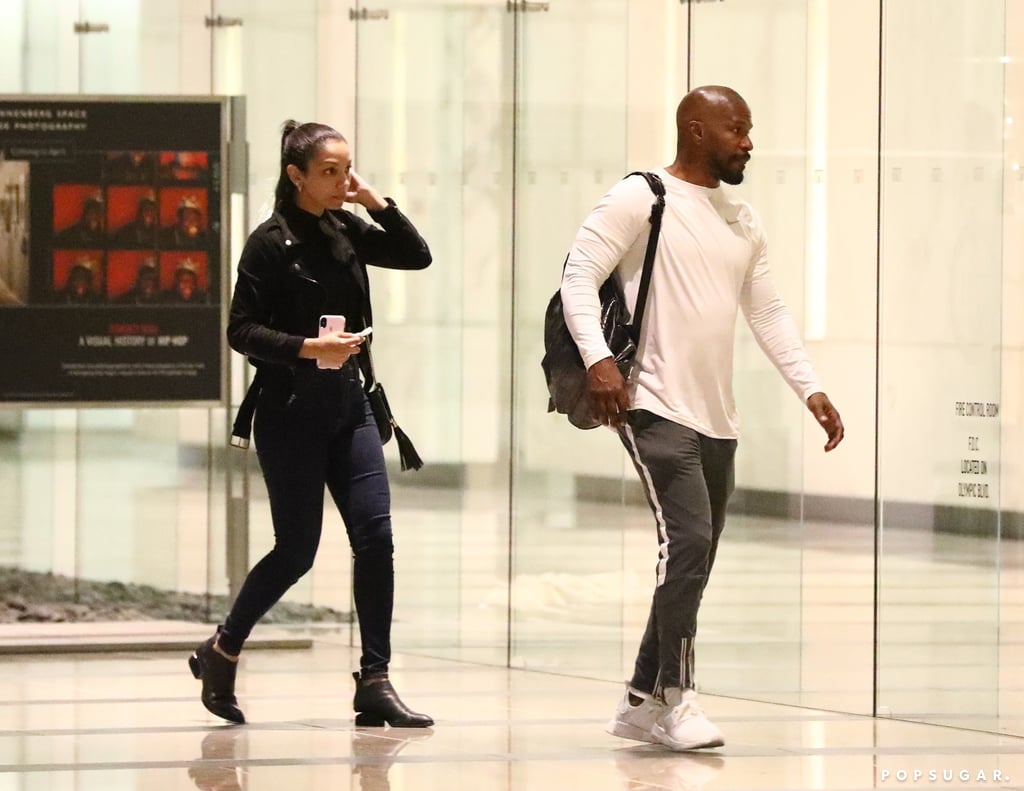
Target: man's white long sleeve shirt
x,y
711,261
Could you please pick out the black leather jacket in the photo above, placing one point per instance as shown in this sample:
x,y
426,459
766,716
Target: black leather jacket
x,y
279,297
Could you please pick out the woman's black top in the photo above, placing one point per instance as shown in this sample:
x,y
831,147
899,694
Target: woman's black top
x,y
296,267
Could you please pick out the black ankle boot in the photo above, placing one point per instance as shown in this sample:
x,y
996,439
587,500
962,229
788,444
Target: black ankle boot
x,y
218,676
377,702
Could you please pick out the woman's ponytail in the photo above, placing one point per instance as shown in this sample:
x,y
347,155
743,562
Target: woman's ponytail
x,y
285,189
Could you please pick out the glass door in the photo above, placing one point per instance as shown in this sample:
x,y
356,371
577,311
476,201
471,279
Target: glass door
x,y
433,130
577,505
99,493
274,62
941,354
788,611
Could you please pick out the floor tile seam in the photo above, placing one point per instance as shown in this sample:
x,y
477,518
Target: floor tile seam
x,y
320,725
248,697
380,760
233,763
518,702
944,750
88,701
199,728
749,750
913,716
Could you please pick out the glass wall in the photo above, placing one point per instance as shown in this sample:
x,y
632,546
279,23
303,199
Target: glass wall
x,y
128,495
434,130
568,584
1011,463
886,577
949,559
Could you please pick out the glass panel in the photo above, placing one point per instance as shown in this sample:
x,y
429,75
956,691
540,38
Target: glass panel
x,y
37,456
143,48
433,131
247,61
247,32
107,494
787,615
112,494
142,483
112,42
839,324
1011,463
940,415
49,47
754,645
571,518
37,447
12,68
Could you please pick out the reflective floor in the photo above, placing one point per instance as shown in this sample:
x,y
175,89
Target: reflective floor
x,y
553,573
133,721
808,618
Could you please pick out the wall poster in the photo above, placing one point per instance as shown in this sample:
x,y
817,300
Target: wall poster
x,y
112,225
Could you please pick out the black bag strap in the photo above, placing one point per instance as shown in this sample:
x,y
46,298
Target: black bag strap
x,y
657,210
406,451
241,430
365,359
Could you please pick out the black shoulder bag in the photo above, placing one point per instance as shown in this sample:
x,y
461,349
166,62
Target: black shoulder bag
x,y
563,366
382,414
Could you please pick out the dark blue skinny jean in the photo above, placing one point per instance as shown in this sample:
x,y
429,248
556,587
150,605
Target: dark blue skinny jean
x,y
311,430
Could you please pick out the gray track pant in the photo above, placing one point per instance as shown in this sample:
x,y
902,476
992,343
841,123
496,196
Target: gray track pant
x,y
688,479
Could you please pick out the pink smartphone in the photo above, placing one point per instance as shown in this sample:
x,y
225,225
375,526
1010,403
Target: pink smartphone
x,y
329,324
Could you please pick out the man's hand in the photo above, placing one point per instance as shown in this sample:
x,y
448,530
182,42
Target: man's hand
x,y
828,418
607,391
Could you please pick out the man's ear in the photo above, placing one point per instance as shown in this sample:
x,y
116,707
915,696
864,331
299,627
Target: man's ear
x,y
696,129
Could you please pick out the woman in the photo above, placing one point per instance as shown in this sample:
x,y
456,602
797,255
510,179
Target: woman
x,y
313,425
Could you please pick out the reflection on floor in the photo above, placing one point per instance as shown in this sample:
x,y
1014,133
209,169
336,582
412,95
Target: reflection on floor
x,y
123,722
813,614
789,616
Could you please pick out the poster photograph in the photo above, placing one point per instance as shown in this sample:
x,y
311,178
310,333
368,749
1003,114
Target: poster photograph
x,y
111,250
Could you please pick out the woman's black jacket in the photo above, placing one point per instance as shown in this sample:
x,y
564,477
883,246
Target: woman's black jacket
x,y
279,295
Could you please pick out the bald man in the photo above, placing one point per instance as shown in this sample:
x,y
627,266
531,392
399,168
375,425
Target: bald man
x,y
675,413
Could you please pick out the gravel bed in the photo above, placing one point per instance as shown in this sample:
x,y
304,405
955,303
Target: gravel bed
x,y
32,597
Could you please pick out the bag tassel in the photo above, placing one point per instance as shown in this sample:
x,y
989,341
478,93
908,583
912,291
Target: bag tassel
x,y
406,452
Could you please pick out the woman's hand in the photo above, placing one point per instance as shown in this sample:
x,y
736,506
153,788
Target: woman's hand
x,y
331,350
362,193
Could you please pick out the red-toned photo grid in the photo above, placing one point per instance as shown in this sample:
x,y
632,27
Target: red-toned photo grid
x,y
170,261
68,200
64,260
123,204
123,269
173,197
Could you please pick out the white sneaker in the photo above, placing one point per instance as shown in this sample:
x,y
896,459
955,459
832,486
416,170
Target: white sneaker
x,y
683,725
636,722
